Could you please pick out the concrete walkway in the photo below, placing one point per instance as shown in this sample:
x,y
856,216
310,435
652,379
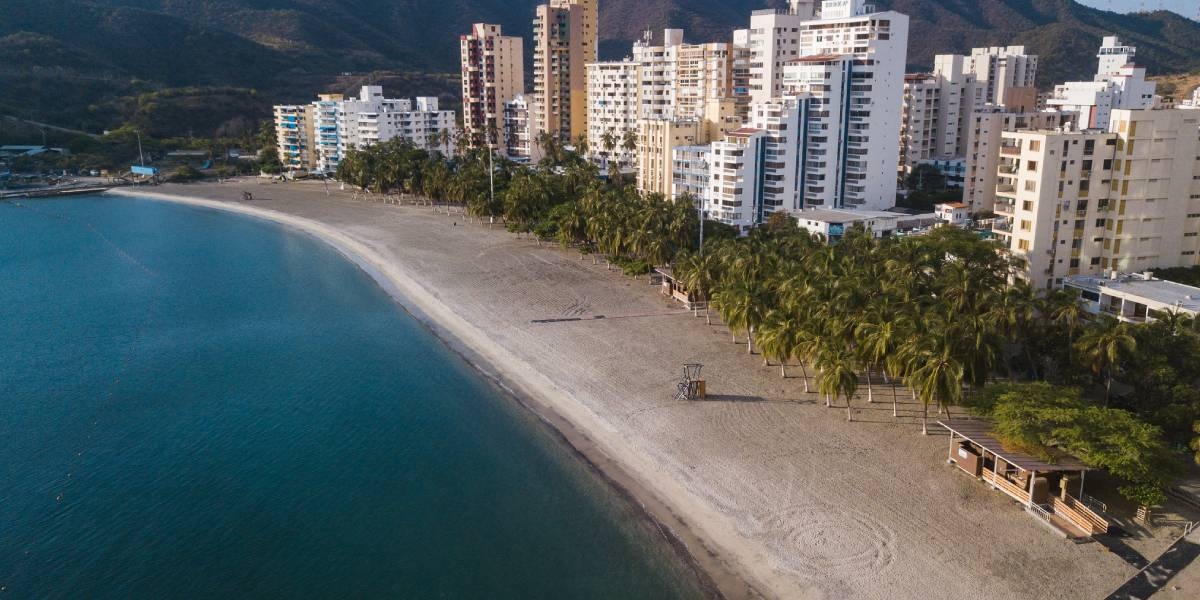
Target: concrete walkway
x,y
1153,580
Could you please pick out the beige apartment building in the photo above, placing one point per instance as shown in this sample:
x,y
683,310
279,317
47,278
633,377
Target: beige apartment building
x,y
612,109
295,136
493,72
564,41
657,141
1089,203
658,138
983,143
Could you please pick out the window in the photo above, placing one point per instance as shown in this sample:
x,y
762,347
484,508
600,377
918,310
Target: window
x,y
1023,245
1035,145
1031,186
1031,165
1026,225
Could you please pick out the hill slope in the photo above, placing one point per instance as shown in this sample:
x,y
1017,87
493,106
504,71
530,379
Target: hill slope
x,y
75,53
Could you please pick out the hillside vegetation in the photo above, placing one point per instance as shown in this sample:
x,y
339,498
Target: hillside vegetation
x,y
87,63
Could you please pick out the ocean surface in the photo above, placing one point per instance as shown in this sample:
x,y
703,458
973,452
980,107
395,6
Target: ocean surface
x,y
196,404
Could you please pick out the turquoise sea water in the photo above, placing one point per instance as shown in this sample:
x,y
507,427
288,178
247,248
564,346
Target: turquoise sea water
x,y
201,405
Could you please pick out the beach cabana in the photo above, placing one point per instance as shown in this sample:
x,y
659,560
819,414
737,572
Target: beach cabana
x,y
1043,487
672,288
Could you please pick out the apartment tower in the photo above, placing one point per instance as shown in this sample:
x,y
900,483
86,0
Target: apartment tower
x,y
493,72
564,42
1124,198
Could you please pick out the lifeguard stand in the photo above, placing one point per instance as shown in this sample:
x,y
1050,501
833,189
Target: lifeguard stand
x,y
691,387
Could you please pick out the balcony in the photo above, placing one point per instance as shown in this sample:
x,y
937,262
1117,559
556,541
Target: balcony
x,y
1003,208
1008,150
1006,188
1008,169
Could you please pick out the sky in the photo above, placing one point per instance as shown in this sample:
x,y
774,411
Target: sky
x,y
1187,8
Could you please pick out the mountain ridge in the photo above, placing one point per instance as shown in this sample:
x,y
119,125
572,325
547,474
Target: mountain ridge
x,y
293,49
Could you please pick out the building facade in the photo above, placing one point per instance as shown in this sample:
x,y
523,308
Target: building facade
x,y
371,119
564,42
1091,202
295,136
493,72
657,140
520,145
982,161
613,99
1118,84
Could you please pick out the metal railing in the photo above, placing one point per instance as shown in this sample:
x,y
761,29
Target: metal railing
x,y
1039,512
1091,502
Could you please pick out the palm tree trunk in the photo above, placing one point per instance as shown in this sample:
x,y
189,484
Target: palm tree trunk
x,y
849,415
750,340
707,315
895,400
828,400
804,373
924,418
870,392
1107,389
783,369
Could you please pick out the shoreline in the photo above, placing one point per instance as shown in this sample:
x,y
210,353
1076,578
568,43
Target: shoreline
x,y
715,569
760,488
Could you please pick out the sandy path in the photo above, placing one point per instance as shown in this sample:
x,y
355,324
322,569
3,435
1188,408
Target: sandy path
x,y
768,483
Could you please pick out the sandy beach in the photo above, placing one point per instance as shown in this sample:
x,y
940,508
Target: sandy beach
x,y
771,493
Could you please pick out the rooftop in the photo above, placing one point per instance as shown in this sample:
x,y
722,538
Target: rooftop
x,y
979,432
818,58
837,215
1167,293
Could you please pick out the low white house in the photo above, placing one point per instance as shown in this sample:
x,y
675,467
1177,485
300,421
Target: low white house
x,y
833,223
1135,298
953,213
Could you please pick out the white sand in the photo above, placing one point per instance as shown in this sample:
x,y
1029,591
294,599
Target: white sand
x,y
761,481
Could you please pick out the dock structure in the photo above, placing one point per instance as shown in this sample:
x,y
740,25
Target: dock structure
x,y
1044,488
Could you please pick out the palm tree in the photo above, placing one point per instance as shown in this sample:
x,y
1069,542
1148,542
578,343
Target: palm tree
x,y
931,366
1103,345
629,142
876,341
698,273
1064,309
742,307
609,141
838,376
779,337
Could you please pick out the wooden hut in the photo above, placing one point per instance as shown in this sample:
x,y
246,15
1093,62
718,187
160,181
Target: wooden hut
x,y
1045,488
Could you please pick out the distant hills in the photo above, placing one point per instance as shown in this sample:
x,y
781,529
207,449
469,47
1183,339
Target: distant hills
x,y
81,60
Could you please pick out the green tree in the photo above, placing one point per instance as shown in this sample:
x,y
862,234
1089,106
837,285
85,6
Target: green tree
x,y
1102,347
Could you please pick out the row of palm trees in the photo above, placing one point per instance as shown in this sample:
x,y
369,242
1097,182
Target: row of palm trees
x,y
936,312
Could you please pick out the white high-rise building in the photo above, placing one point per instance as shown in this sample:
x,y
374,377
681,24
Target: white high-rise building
x,y
773,39
1118,84
613,92
851,75
938,107
372,119
325,118
520,144
679,79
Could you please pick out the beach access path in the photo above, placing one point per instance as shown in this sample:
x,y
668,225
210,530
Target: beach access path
x,y
773,493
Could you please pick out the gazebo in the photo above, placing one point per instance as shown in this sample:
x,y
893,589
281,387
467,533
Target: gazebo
x,y
1043,487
